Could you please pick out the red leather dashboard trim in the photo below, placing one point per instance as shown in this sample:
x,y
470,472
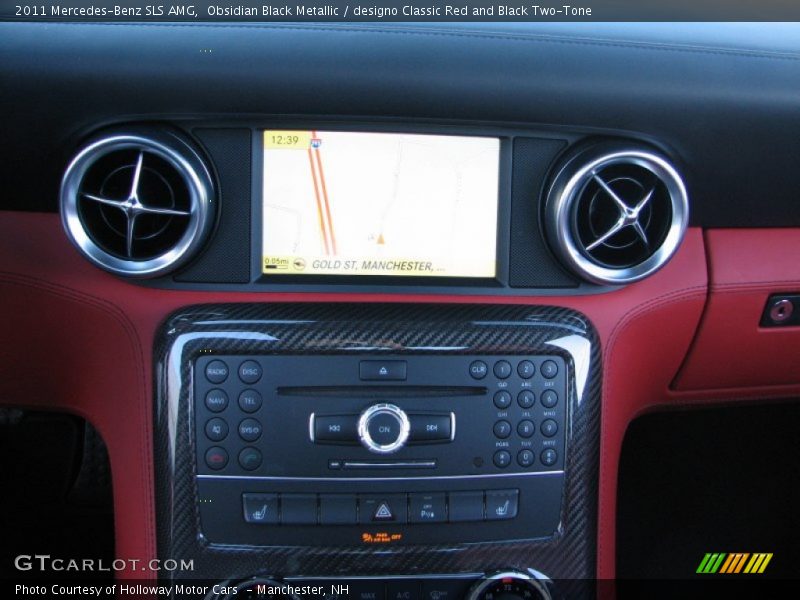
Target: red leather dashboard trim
x,y
731,351
78,339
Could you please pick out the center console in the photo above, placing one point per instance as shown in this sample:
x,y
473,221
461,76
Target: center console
x,y
380,446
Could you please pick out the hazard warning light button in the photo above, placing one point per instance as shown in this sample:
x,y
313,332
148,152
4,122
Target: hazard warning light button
x,y
390,508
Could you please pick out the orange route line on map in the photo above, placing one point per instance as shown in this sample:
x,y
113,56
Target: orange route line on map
x,y
319,202
325,196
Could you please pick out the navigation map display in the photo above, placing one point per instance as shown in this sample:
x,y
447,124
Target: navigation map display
x,y
346,203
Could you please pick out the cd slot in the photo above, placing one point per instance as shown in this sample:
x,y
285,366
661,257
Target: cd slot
x,y
388,464
382,391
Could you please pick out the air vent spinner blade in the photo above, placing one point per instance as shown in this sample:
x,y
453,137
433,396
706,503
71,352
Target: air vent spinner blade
x,y
616,214
137,204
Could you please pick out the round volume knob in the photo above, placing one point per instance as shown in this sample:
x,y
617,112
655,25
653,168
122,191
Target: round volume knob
x,y
510,585
383,428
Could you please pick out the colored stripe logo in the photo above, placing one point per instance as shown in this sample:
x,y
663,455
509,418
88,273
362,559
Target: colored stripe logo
x,y
733,563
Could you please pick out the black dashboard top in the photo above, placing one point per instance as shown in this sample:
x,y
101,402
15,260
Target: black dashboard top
x,y
720,98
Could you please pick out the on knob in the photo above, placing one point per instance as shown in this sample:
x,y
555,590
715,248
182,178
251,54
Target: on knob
x,y
383,428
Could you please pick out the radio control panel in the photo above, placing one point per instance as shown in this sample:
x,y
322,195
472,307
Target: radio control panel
x,y
379,450
345,416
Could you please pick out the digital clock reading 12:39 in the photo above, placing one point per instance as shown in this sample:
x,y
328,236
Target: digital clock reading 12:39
x,y
298,140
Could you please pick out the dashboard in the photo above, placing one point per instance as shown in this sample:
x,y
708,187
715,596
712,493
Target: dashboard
x,y
376,304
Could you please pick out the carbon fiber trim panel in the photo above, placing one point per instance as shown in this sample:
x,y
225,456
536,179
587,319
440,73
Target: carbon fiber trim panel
x,y
369,329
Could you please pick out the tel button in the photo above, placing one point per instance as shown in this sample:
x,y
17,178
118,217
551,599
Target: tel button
x,y
250,401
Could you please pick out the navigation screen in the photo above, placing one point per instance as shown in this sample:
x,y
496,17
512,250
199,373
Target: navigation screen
x,y
343,203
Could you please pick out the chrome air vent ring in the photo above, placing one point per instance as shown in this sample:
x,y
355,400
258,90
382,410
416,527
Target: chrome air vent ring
x,y
138,203
616,213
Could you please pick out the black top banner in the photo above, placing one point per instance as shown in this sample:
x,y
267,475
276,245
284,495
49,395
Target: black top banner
x,y
350,11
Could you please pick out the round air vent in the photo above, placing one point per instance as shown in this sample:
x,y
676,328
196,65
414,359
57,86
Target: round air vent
x,y
616,213
138,204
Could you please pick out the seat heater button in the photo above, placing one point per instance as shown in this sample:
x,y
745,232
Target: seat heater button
x,y
250,371
216,429
216,400
501,504
260,508
216,371
250,430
